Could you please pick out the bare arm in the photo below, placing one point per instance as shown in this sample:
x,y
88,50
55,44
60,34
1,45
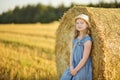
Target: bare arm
x,y
86,53
71,65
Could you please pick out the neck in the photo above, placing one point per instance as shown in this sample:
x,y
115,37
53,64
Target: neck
x,y
82,34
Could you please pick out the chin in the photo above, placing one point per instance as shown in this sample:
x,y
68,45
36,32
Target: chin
x,y
80,30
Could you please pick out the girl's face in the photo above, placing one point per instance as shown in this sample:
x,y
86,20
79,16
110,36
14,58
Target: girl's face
x,y
81,25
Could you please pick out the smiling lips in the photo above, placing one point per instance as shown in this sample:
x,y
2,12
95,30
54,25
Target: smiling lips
x,y
79,27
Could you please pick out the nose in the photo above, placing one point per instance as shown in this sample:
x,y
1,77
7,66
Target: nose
x,y
80,23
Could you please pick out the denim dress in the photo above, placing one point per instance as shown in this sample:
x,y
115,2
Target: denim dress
x,y
85,73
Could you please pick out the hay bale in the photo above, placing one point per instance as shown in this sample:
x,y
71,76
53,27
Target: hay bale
x,y
105,28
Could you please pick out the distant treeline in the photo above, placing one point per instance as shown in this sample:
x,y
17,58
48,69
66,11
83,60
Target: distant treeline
x,y
43,14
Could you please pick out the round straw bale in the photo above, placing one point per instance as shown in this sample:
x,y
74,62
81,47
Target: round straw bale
x,y
105,31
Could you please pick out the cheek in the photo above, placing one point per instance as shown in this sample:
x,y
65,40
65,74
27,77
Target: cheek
x,y
85,26
77,26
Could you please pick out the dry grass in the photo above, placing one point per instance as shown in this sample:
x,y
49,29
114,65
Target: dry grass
x,y
27,51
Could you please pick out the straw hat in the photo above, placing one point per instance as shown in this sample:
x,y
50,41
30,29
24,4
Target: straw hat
x,y
84,17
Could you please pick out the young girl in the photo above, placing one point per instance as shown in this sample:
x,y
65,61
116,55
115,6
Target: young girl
x,y
80,59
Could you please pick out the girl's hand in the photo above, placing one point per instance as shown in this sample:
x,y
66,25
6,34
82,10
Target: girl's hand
x,y
71,68
73,72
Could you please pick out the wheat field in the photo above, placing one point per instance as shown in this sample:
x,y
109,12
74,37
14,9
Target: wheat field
x,y
27,51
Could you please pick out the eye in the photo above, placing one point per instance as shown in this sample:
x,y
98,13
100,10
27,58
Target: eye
x,y
81,22
77,22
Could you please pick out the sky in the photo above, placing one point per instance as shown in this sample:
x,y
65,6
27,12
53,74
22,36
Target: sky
x,y
6,5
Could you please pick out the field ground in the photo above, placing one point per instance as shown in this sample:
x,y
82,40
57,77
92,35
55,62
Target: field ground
x,y
27,51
